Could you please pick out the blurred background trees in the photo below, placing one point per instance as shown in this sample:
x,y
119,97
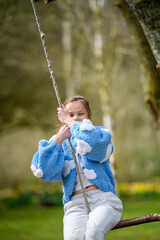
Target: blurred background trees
x,y
98,50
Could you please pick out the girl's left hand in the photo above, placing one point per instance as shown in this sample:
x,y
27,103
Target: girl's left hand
x,y
62,134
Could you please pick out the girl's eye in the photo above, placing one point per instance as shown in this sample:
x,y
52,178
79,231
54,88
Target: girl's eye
x,y
71,114
81,114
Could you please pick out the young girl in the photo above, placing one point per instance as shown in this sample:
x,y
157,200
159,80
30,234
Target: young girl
x,y
93,148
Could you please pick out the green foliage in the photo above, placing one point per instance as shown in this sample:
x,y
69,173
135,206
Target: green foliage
x,y
28,199
26,94
50,200
139,196
22,200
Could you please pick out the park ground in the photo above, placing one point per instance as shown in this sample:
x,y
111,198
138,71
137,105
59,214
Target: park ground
x,y
41,222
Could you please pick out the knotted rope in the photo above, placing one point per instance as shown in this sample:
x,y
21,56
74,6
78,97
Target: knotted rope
x,y
42,37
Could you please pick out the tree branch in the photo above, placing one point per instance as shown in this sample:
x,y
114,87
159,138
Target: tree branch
x,y
138,220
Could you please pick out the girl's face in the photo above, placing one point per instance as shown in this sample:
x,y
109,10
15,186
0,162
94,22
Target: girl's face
x,y
77,111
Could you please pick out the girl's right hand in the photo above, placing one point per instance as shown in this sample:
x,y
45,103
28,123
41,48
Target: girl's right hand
x,y
62,134
64,116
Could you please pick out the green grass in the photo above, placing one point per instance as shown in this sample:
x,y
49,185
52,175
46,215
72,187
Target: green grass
x,y
40,223
137,208
32,223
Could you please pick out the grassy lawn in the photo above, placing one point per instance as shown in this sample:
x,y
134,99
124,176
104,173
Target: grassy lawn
x,y
40,223
148,231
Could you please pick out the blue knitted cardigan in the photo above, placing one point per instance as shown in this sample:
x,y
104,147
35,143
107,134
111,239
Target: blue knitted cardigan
x,y
93,144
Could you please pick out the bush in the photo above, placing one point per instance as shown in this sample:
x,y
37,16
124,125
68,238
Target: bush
x,y
26,199
50,200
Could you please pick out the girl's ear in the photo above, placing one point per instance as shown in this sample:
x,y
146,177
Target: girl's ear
x,y
90,115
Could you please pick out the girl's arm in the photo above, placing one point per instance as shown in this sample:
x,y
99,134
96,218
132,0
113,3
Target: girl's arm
x,y
48,161
90,141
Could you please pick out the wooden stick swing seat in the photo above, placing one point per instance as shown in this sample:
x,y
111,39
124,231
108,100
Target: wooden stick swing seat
x,y
138,220
123,223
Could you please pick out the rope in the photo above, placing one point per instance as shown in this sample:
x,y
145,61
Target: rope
x,y
42,37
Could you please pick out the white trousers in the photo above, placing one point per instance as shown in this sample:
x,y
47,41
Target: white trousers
x,y
106,211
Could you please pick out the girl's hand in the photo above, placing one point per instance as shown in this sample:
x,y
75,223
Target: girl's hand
x,y
64,116
62,135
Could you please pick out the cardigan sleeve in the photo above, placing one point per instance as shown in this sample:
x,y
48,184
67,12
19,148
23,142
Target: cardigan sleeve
x,y
92,142
48,161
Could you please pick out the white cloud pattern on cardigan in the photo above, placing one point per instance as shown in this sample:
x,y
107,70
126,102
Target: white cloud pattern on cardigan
x,y
37,172
83,147
87,125
106,130
108,153
68,166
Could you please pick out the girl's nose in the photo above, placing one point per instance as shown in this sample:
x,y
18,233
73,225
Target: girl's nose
x,y
75,118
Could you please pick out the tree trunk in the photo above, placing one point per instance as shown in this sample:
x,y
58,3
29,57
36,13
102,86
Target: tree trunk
x,y
45,1
96,7
147,58
103,78
148,15
67,57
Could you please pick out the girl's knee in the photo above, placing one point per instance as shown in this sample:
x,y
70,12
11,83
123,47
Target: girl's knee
x,y
74,235
94,234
